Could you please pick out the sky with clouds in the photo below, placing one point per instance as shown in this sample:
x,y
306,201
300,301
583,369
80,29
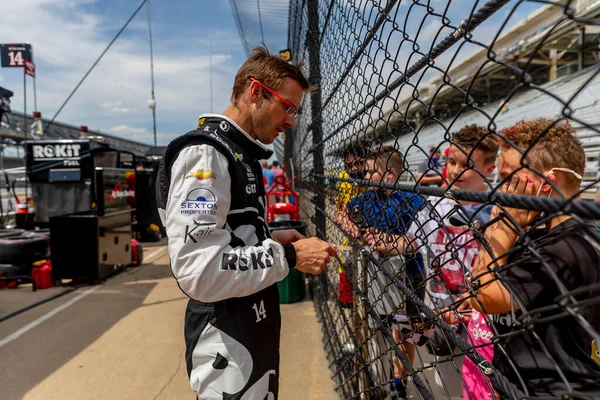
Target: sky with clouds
x,y
68,35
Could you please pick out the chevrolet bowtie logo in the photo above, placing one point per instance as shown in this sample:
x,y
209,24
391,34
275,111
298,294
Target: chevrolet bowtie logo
x,y
202,174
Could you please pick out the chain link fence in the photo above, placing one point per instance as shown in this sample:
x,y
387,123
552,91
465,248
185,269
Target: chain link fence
x,y
451,153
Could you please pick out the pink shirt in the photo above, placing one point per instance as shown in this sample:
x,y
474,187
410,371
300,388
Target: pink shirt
x,y
277,171
480,333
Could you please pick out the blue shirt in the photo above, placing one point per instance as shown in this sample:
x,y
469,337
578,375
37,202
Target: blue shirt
x,y
390,214
270,175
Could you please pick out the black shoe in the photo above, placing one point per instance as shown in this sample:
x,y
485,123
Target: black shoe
x,y
399,389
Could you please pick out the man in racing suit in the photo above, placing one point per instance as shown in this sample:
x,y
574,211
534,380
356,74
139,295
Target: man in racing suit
x,y
212,202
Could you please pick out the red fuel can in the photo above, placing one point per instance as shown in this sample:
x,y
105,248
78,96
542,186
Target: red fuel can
x,y
44,276
136,253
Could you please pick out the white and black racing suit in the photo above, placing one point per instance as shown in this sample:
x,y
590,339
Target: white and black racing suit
x,y
211,198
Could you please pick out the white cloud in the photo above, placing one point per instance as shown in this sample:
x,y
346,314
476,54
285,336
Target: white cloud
x,y
67,37
140,134
122,110
428,33
115,107
111,104
126,129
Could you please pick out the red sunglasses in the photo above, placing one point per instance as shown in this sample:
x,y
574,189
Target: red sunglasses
x,y
290,110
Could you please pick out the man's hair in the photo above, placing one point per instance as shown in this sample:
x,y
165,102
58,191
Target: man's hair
x,y
557,147
275,163
270,70
388,157
472,137
434,150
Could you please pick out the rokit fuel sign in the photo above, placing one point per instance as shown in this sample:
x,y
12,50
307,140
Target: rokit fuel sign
x,y
15,55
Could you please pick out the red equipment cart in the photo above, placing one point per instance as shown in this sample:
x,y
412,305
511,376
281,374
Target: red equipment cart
x,y
282,210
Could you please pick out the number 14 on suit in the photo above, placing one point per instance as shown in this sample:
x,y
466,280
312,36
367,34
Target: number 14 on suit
x,y
260,311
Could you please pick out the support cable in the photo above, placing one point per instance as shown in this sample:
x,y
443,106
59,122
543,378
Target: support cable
x,y
152,70
262,35
95,63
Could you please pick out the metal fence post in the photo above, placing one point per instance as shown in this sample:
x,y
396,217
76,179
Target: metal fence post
x,y
317,131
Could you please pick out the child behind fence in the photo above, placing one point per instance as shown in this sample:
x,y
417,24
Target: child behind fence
x,y
354,168
450,250
387,211
542,293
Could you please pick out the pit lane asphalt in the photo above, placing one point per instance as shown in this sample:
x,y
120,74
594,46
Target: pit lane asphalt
x,y
124,340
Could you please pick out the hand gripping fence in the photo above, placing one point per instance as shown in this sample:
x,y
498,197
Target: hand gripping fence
x,y
454,147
